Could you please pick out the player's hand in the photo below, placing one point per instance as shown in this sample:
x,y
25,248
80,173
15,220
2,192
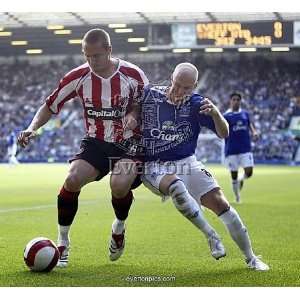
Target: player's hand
x,y
255,136
178,101
130,122
25,136
208,108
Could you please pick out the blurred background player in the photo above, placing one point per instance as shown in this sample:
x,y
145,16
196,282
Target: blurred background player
x,y
107,87
172,119
238,143
12,148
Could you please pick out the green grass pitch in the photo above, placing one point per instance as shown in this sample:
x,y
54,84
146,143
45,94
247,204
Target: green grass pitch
x,y
160,242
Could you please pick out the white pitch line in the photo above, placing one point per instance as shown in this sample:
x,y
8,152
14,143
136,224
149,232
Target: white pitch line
x,y
16,209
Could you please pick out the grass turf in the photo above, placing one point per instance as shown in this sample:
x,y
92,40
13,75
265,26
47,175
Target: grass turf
x,y
160,242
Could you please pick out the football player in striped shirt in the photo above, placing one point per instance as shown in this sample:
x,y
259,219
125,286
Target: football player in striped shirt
x,y
108,88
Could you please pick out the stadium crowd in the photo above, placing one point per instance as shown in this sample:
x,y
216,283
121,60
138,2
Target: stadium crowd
x,y
269,89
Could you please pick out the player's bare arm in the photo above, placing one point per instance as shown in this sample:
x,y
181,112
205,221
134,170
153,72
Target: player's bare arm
x,y
42,116
221,124
254,131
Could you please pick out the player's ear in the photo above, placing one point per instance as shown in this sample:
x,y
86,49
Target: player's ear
x,y
83,53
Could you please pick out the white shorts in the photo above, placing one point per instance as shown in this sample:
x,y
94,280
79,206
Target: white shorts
x,y
244,160
192,172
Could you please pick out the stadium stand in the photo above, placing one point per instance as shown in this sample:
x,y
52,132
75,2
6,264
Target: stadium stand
x,y
270,88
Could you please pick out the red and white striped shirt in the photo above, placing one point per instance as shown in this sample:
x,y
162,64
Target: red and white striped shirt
x,y
105,100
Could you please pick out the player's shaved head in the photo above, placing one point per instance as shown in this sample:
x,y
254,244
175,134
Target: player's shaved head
x,y
186,70
95,36
184,80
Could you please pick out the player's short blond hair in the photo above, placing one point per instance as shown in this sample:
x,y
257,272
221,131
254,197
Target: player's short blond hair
x,y
97,35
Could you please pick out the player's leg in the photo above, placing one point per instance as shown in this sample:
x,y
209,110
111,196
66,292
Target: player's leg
x,y
248,172
10,160
80,173
247,162
173,186
187,205
14,160
123,176
216,201
235,185
232,162
12,157
199,181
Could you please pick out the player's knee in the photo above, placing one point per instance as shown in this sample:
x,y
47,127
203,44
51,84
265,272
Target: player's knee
x,y
182,201
73,182
248,173
221,205
215,201
120,186
234,175
177,190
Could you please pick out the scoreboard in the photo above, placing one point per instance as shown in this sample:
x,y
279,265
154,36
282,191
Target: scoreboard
x,y
225,34
260,34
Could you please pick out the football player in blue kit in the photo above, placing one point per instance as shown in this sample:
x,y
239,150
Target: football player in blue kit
x,y
172,118
238,143
12,148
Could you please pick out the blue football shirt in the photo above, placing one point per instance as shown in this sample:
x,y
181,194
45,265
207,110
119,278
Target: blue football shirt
x,y
170,132
239,140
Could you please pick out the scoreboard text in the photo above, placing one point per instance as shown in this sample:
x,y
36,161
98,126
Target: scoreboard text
x,y
244,34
